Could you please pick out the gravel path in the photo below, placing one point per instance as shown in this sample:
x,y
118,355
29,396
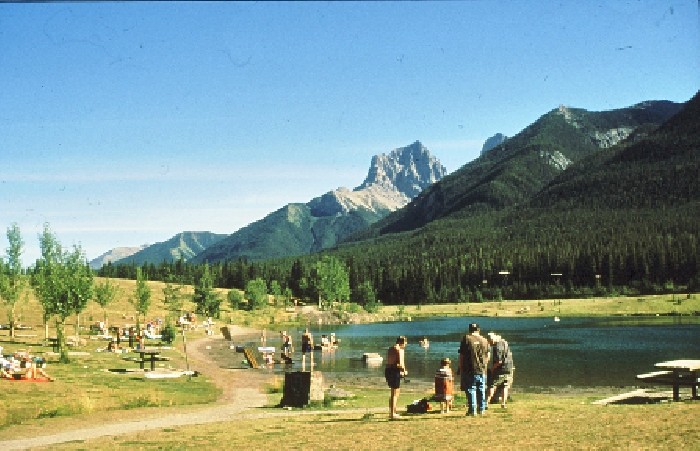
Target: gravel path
x,y
242,391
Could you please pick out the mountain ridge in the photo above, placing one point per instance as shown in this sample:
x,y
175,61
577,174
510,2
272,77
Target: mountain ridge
x,y
392,180
515,170
115,254
184,245
637,184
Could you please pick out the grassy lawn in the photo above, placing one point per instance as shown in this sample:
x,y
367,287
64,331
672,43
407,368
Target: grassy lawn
x,y
84,387
85,394
679,304
533,421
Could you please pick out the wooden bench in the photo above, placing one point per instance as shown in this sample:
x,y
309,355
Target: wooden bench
x,y
132,359
675,378
143,361
159,358
655,376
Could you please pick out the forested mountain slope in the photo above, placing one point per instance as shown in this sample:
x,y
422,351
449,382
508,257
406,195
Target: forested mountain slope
x,y
624,217
660,169
515,171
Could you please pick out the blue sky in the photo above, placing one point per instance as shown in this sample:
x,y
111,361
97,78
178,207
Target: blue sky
x,y
127,123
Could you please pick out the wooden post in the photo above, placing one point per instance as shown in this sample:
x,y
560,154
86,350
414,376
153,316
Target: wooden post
x,y
184,345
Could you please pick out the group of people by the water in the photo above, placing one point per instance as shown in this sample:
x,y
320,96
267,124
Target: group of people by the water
x,y
307,346
485,367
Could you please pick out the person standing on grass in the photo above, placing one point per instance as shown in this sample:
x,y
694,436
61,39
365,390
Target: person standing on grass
x,y
393,372
502,367
474,357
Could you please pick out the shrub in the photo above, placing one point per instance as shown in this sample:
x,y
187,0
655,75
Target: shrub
x,y
168,333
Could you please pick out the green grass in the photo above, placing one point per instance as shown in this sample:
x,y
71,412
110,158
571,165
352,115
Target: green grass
x,y
84,387
663,305
532,421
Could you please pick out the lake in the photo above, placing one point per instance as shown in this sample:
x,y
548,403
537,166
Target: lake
x,y
580,352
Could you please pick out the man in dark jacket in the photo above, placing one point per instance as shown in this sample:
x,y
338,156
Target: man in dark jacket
x,y
474,355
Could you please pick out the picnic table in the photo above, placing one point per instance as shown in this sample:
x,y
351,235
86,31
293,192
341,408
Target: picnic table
x,y
152,356
683,372
53,341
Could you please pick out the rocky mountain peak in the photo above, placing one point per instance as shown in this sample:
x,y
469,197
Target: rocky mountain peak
x,y
392,181
408,170
115,254
494,141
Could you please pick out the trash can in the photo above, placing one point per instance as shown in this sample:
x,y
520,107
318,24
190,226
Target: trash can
x,y
301,387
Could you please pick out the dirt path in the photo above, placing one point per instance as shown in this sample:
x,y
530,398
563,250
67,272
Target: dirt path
x,y
242,391
239,386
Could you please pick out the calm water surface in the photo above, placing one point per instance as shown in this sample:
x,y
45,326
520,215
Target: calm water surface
x,y
573,351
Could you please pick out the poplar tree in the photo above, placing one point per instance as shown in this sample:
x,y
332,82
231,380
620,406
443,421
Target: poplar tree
x,y
256,293
332,280
142,296
235,299
205,298
275,291
105,293
12,281
63,282
174,298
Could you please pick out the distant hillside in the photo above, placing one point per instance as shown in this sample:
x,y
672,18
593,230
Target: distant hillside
x,y
516,170
183,246
114,255
299,229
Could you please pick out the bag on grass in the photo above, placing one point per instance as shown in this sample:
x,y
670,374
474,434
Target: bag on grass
x,y
419,406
